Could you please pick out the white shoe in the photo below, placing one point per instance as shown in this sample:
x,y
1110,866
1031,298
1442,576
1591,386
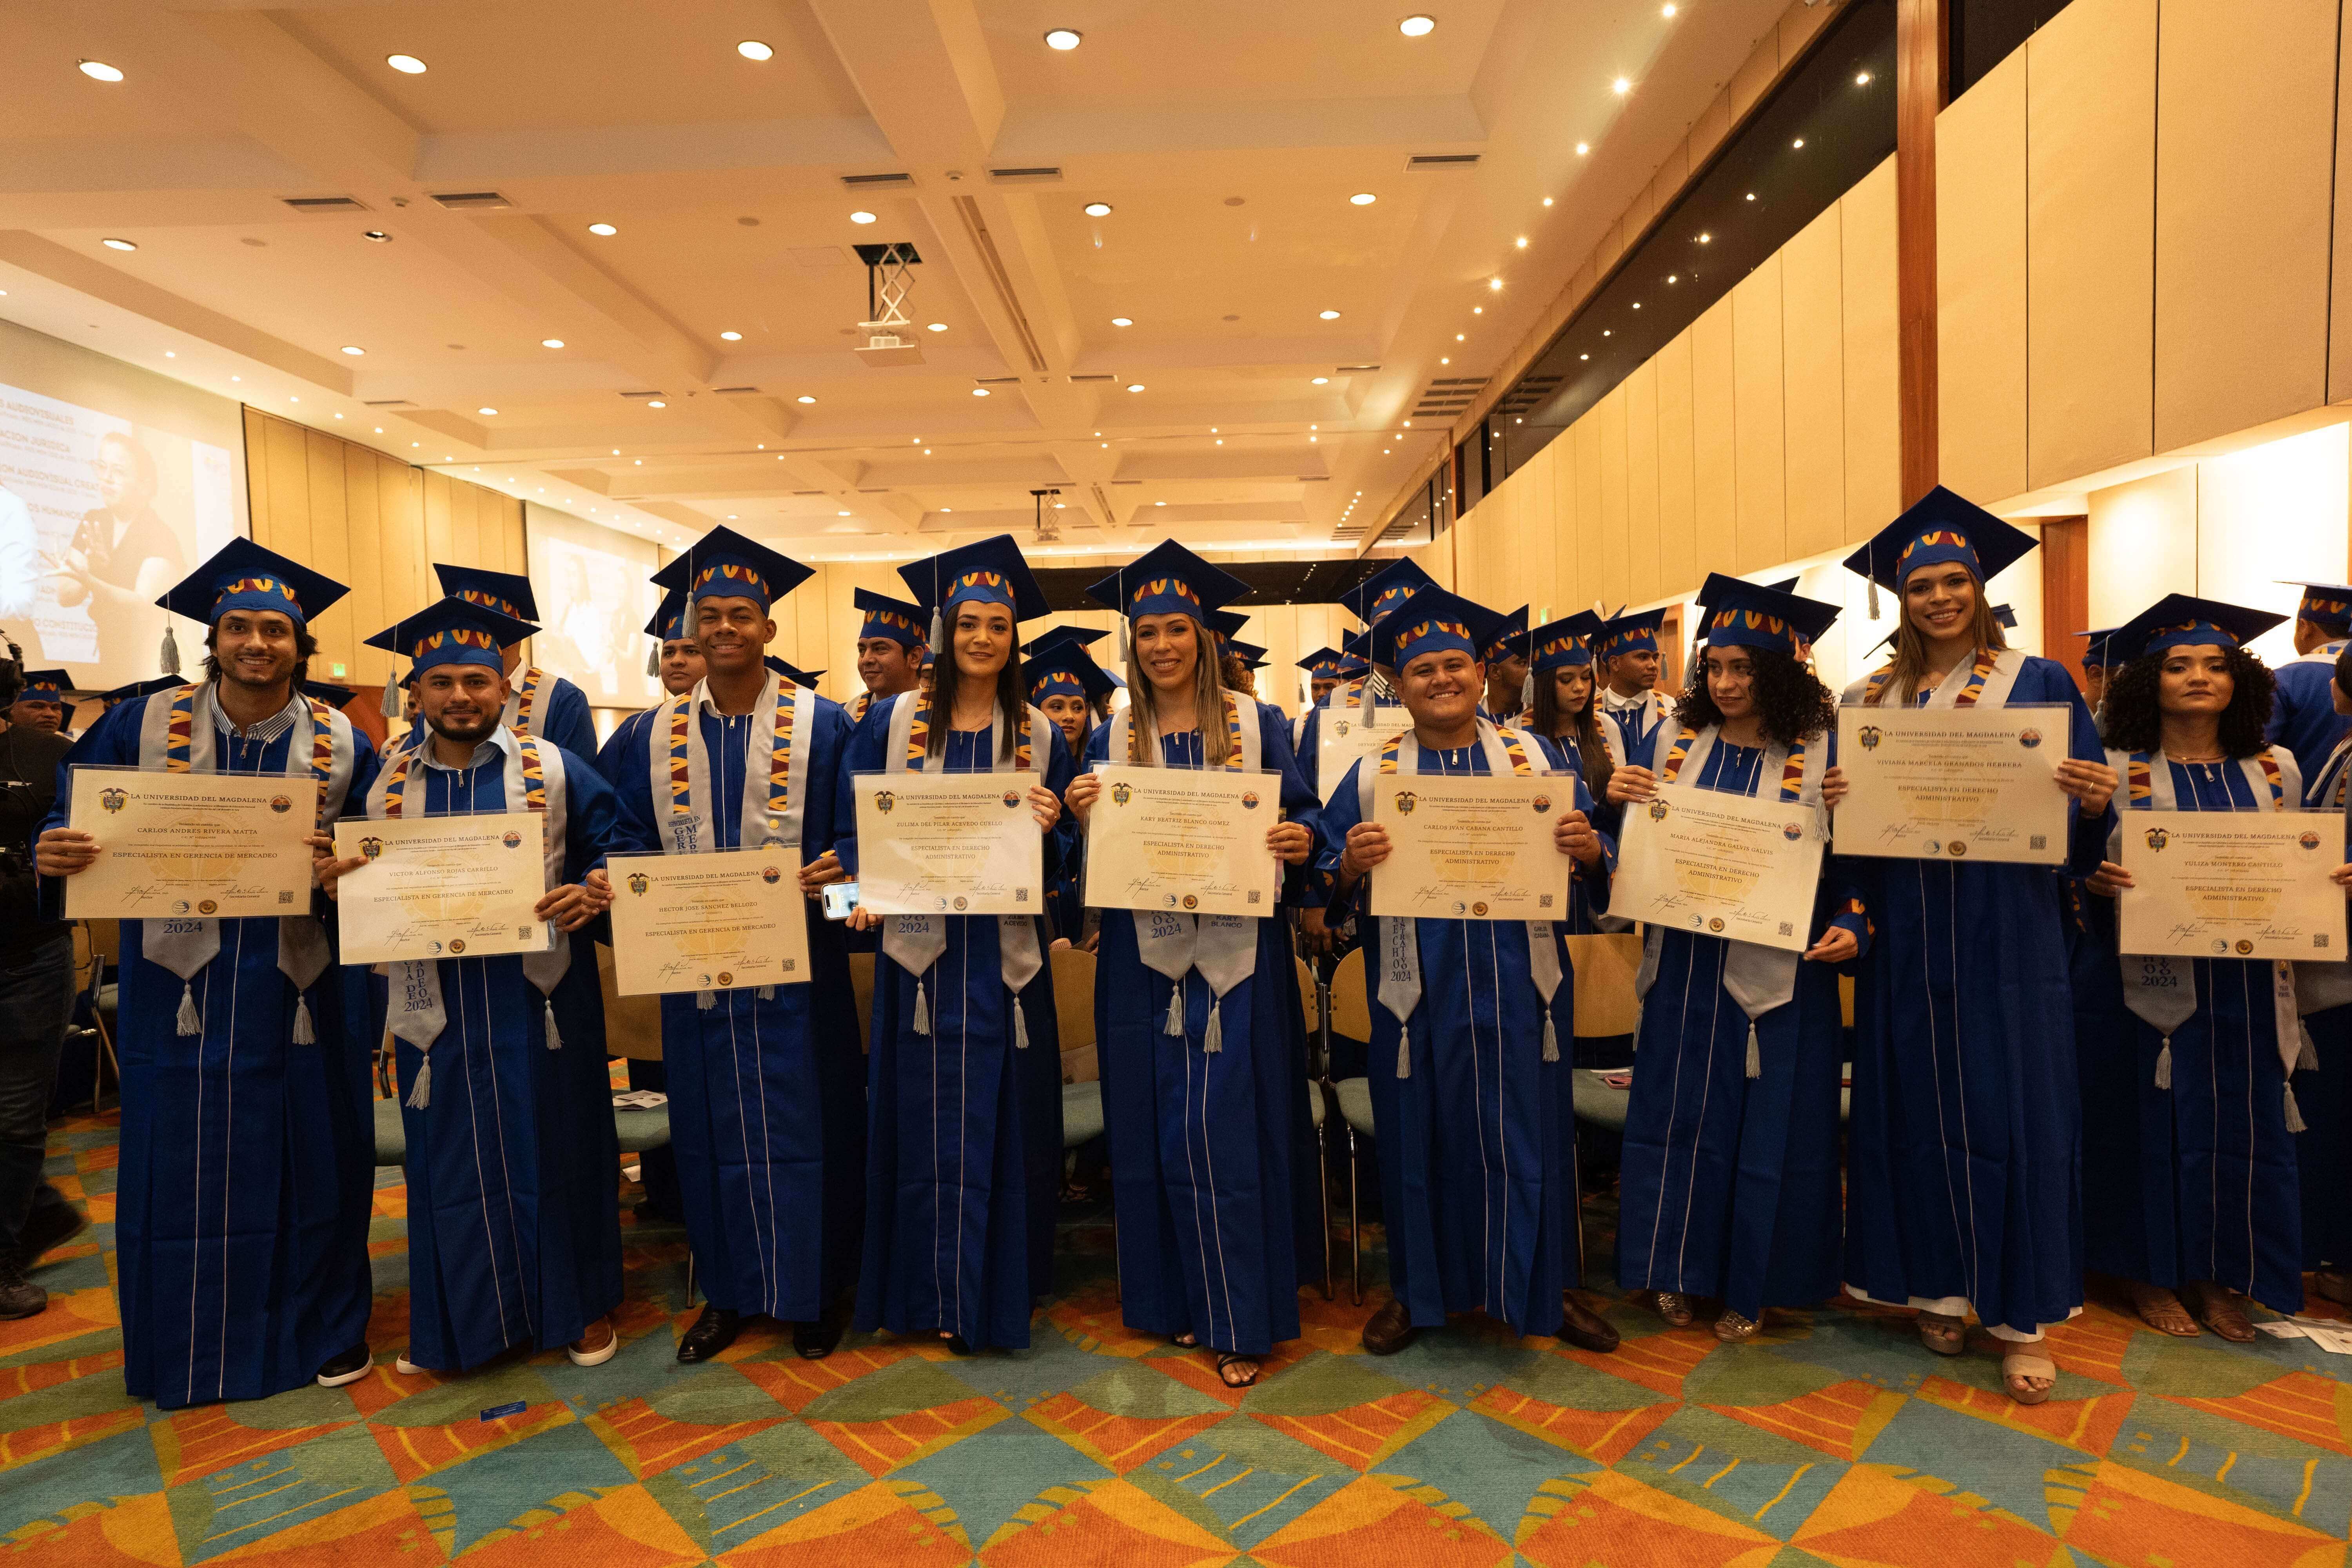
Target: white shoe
x,y
612,1347
338,1379
406,1367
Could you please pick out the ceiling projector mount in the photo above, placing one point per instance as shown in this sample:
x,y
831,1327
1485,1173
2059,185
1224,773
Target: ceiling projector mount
x,y
889,335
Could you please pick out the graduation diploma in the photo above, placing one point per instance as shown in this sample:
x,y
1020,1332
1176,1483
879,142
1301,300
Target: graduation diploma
x,y
955,843
1949,783
2231,884
1720,865
717,920
1345,734
1191,840
461,886
1472,847
199,846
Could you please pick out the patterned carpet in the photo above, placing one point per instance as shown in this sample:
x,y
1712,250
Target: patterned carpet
x,y
1834,1440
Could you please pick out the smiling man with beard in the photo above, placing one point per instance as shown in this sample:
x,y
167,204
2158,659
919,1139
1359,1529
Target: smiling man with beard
x,y
524,1249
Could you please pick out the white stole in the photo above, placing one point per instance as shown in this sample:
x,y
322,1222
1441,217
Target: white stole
x,y
914,942
1397,939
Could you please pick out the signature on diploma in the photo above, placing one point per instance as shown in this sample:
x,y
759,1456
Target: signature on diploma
x,y
1142,886
672,968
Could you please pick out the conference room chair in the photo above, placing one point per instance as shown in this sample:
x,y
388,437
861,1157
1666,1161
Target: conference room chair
x,y
1082,1104
1347,1010
1315,1003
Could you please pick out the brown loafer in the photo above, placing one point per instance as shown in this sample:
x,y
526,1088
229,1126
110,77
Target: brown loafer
x,y
1390,1330
1582,1327
2334,1284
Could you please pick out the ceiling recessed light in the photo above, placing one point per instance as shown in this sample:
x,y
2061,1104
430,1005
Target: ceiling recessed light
x,y
1637,304
732,337
1122,320
353,350
1443,359
1362,199
1546,201
1751,195
1582,148
492,410
99,71
753,49
1800,142
1622,86
861,218
1705,238
841,514
1477,310
168,353
1135,386
603,229
339,416
937,327
1584,356
1330,315
1320,381
1493,283
1459,338
1861,79
1523,242
1667,10
237,378
551,343
804,397
1417,26
294,399
118,245
979,392
1063,38
376,235
657,403
1098,209
406,65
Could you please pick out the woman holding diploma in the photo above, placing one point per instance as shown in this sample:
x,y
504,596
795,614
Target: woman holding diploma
x,y
1729,1183
1211,1150
1965,1133
1064,682
1470,1092
1575,734
964,1162
2190,1192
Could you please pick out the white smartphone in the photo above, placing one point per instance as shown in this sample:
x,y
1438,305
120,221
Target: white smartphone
x,y
840,898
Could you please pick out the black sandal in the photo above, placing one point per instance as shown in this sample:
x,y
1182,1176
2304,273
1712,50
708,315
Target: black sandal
x,y
1230,1358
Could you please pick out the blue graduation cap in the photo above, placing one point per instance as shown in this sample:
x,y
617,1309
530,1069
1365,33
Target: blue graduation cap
x,y
1359,646
1252,654
2182,620
669,623
1436,621
45,686
900,621
1067,669
2327,606
242,575
1059,636
2006,616
989,571
452,631
508,592
793,673
333,693
142,688
2095,647
1166,580
723,564
1751,615
1328,664
1943,527
1563,643
1637,633
1386,589
1226,624
1511,638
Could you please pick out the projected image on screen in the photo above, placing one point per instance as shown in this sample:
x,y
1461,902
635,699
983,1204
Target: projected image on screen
x,y
594,602
98,516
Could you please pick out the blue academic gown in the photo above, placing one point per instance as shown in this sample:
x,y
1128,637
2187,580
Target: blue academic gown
x,y
1310,740
964,1162
514,1234
766,1109
2197,1181
247,1161
1640,724
2323,1091
1606,818
1963,1141
1066,910
2304,718
559,716
1211,1156
1478,1145
1729,1185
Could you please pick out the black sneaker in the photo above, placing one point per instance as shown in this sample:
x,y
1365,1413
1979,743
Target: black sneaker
x,y
46,1227
19,1297
349,1367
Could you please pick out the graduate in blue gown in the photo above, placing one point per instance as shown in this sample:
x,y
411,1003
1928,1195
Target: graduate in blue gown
x,y
1197,1023
1506,660
892,646
1729,1185
2190,1190
543,703
1372,601
964,1170
675,661
766,1106
1065,684
1326,667
248,1151
1625,654
1964,1135
2304,716
2322,1086
513,1236
1472,1094
1567,719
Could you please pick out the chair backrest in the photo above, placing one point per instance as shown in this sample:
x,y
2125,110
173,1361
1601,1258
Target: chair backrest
x,y
1605,967
105,938
1351,1010
1307,998
1074,1013
632,1023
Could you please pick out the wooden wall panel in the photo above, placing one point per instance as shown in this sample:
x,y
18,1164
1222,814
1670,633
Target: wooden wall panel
x,y
2339,313
1677,518
2090,107
363,507
1616,556
1587,436
1980,321
1759,446
1567,590
340,629
1644,580
1714,411
1871,361
437,542
2245,156
286,455
1812,346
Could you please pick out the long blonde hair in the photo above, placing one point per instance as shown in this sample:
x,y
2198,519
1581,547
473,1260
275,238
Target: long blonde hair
x,y
1208,702
1911,648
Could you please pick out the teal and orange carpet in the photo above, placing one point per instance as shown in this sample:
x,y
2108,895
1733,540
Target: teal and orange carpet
x,y
1832,1439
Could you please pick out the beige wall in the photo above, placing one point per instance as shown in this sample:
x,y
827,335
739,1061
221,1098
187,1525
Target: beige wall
x,y
373,522
1765,433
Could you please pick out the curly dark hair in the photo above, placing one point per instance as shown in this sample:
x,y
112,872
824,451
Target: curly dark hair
x,y
1790,702
2134,721
306,648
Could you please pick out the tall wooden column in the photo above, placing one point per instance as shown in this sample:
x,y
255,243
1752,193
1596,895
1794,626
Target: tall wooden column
x,y
1922,66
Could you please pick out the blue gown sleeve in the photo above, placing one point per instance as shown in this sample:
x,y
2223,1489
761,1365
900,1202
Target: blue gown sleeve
x,y
1061,767
1842,898
608,755
1310,740
567,720
863,755
366,764
1596,879
2087,843
1299,803
588,815
632,830
1320,889
831,741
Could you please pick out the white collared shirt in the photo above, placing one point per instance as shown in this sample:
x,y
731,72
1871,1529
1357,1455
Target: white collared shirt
x,y
496,750
269,730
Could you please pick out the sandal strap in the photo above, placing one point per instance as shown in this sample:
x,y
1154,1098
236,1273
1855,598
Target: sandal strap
x,y
2025,1363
